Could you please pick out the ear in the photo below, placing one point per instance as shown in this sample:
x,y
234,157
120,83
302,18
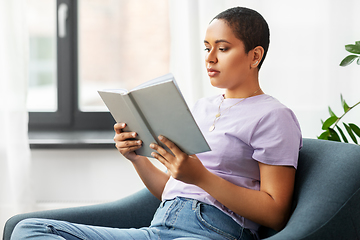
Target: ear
x,y
258,53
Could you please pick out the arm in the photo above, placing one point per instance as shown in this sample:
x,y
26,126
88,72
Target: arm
x,y
153,178
269,207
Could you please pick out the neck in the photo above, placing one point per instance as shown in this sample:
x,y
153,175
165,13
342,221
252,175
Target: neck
x,y
246,88
244,92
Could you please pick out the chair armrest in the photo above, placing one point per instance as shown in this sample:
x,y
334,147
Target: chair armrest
x,y
344,224
134,211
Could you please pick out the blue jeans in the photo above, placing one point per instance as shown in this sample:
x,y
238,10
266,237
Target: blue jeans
x,y
180,219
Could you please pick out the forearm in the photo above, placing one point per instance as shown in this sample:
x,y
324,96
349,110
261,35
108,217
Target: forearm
x,y
153,178
257,206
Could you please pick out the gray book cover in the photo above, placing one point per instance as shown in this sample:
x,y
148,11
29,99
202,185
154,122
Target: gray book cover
x,y
155,108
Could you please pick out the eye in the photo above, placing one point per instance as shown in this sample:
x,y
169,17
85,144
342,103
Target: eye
x,y
207,49
223,49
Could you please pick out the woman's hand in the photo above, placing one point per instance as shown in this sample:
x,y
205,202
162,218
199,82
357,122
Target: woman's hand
x,y
123,143
152,177
183,167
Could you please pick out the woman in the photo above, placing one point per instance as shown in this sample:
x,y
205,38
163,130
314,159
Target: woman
x,y
247,179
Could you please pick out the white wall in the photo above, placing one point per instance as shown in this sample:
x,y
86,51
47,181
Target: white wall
x,y
66,178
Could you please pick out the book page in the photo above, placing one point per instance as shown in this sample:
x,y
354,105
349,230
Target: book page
x,y
122,91
158,80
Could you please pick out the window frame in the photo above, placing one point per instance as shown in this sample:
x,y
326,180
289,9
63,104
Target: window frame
x,y
68,116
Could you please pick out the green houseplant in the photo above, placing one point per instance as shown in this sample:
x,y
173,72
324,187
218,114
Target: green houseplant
x,y
330,127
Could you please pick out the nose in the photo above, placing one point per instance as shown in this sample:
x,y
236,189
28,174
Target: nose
x,y
211,57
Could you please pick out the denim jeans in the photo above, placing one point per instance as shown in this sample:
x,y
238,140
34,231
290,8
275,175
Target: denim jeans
x,y
180,219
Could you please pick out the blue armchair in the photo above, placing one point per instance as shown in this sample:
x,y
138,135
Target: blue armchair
x,y
326,201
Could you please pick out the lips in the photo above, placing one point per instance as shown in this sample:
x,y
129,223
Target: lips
x,y
212,72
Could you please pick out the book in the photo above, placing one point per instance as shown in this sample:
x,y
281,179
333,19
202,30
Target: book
x,y
156,107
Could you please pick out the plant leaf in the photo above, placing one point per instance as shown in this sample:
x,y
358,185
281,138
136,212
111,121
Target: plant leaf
x,y
355,129
353,48
348,60
351,134
333,135
358,61
328,122
332,113
342,134
324,135
344,104
357,42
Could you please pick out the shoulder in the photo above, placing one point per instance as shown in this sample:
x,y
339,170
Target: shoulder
x,y
268,103
275,120
276,137
269,107
265,108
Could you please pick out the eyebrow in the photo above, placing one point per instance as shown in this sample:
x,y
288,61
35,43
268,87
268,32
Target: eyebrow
x,y
218,41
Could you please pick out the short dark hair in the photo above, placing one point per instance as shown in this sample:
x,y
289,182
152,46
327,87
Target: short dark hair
x,y
249,26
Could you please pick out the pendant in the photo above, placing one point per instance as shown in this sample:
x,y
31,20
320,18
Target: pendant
x,y
212,128
217,115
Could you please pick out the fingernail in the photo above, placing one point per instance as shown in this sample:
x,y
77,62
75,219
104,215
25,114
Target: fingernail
x,y
161,137
123,124
153,154
134,134
152,145
139,142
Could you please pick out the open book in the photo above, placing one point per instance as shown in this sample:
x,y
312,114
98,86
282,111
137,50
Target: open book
x,y
155,108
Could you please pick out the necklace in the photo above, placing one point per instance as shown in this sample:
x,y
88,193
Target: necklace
x,y
219,113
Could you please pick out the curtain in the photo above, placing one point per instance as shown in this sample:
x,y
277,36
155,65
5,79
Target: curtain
x,y
307,40
15,187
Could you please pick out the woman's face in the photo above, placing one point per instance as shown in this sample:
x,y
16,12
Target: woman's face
x,y
227,63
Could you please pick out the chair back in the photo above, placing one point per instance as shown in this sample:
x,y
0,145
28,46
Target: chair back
x,y
327,178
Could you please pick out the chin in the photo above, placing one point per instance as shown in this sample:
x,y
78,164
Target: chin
x,y
216,84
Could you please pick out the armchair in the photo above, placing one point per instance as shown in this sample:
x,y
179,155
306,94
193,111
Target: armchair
x,y
326,202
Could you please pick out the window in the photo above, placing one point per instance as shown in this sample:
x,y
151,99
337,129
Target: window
x,y
79,47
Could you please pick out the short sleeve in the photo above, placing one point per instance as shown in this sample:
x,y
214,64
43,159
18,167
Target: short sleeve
x,y
277,139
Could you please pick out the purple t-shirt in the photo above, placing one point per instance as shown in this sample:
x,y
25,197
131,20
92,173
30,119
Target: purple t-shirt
x,y
258,129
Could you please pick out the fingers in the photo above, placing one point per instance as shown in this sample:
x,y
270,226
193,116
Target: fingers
x,y
160,158
118,127
128,144
164,155
172,146
124,141
159,149
122,136
126,150
127,147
